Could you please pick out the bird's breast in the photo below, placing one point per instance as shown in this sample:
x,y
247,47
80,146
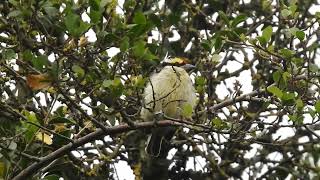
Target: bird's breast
x,y
168,91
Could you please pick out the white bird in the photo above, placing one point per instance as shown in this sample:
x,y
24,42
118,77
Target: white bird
x,y
167,93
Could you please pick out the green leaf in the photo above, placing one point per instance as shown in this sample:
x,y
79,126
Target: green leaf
x,y
187,110
281,78
139,81
238,20
115,86
124,45
200,80
95,16
155,20
292,2
74,24
285,13
94,5
107,83
49,8
139,48
30,129
61,111
288,99
252,115
267,33
266,5
117,82
78,70
293,30
313,68
56,120
299,104
275,91
296,118
8,54
293,8
149,56
270,48
298,61
139,18
317,106
52,177
218,43
104,3
14,2
288,96
224,17
27,55
297,33
243,37
262,40
276,76
207,45
129,5
300,35
14,13
54,71
232,35
240,30
285,76
218,123
59,141
174,18
40,62
95,12
292,117
287,53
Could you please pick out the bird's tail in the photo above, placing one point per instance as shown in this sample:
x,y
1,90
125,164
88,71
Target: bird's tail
x,y
154,144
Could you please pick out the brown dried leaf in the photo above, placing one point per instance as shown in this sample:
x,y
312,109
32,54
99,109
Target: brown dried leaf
x,y
38,81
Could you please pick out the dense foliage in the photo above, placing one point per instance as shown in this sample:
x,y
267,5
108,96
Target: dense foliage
x,y
72,75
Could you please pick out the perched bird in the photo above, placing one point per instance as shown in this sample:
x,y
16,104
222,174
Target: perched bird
x,y
168,92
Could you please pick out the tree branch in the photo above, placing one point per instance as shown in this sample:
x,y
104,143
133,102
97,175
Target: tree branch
x,y
24,174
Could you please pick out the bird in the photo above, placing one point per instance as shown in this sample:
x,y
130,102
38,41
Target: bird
x,y
167,93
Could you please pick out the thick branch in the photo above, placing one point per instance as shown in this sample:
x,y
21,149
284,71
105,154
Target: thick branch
x,y
99,133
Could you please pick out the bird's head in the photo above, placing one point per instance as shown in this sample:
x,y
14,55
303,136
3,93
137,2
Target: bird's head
x,y
179,62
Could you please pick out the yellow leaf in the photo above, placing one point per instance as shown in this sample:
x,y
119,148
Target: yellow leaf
x,y
83,41
137,171
88,125
59,127
70,45
44,138
38,81
177,60
51,90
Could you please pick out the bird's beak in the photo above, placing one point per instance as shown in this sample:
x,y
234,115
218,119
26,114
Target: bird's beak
x,y
188,67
